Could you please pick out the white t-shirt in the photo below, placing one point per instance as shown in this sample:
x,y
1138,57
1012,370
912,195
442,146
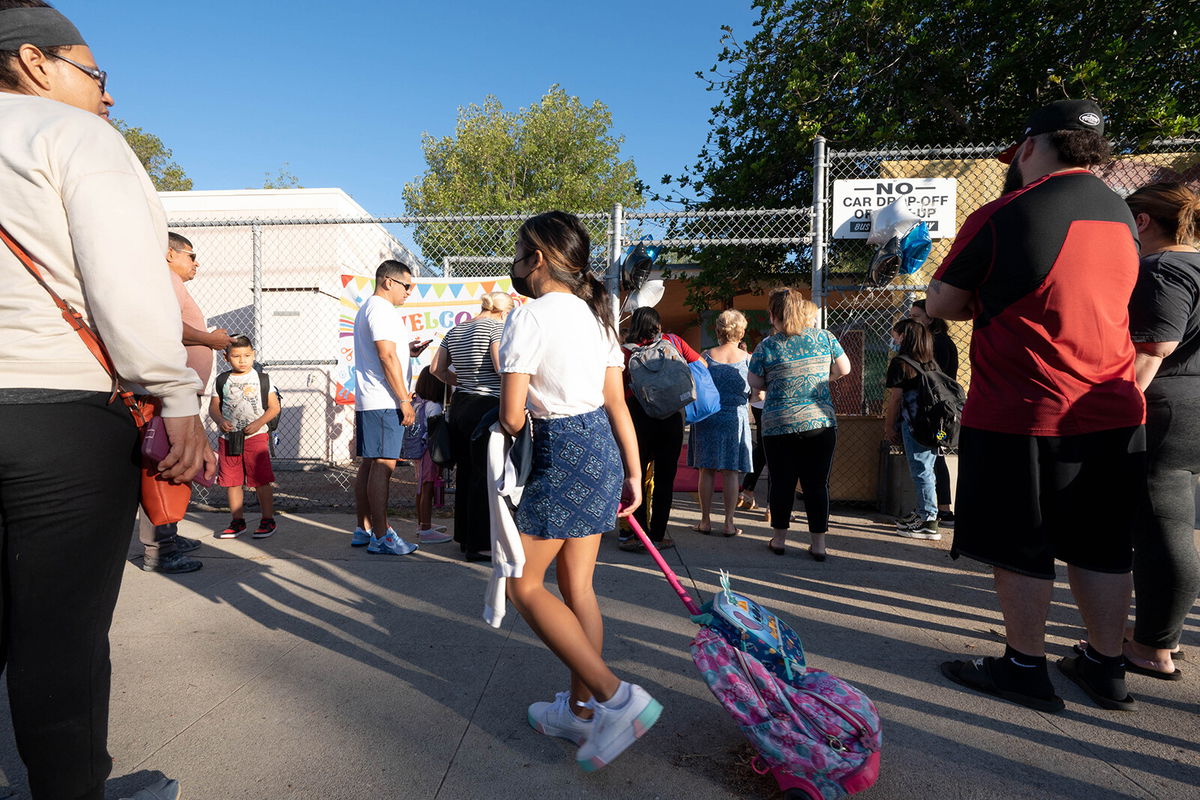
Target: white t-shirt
x,y
377,321
242,400
558,342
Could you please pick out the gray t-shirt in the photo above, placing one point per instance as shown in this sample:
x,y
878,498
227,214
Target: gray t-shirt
x,y
242,401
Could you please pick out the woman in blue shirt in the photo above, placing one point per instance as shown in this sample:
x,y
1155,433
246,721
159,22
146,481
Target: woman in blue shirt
x,y
799,430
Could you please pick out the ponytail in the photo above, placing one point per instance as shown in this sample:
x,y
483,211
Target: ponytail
x,y
1173,207
567,248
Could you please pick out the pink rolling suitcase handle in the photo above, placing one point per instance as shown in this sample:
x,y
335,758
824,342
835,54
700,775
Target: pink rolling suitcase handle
x,y
662,564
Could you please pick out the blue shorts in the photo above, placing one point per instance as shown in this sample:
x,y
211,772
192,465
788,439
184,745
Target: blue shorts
x,y
379,433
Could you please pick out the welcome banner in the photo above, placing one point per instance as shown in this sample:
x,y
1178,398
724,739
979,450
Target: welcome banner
x,y
435,306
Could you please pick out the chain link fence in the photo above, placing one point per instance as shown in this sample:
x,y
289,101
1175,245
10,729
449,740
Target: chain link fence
x,y
280,281
943,186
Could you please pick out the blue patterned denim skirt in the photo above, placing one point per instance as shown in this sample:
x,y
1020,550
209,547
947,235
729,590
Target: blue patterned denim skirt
x,y
575,484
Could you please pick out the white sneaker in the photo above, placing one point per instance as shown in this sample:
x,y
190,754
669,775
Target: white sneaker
x,y
392,544
557,719
433,536
614,729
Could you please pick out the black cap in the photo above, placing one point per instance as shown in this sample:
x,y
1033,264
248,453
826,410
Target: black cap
x,y
1061,115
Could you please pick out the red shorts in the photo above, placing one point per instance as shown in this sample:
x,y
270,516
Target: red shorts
x,y
252,468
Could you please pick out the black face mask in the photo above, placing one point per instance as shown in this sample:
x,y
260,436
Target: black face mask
x,y
520,285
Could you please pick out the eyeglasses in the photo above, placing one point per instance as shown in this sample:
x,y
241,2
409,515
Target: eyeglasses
x,y
191,253
100,75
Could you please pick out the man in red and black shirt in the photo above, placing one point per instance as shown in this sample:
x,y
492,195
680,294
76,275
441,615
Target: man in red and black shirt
x,y
1052,451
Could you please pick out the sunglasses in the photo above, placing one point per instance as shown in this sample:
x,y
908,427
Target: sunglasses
x,y
191,253
100,75
407,286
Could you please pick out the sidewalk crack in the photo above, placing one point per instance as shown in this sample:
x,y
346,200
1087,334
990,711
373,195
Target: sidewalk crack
x,y
475,710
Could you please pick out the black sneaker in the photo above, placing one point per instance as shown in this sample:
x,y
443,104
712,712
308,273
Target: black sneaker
x,y
266,528
233,529
920,529
946,517
185,545
172,564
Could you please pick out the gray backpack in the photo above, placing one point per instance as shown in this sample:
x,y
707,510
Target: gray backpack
x,y
660,379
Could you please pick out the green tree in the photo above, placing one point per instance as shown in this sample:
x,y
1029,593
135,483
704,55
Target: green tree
x,y
557,153
283,179
166,175
936,72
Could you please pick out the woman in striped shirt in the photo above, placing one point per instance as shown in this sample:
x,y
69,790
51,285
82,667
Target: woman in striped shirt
x,y
473,350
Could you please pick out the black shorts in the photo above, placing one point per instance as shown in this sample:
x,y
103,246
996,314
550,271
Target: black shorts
x,y
1024,501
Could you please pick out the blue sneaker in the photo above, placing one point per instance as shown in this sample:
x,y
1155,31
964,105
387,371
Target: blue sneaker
x,y
391,545
360,538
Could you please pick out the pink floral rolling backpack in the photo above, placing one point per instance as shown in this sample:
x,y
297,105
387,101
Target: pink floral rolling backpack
x,y
817,735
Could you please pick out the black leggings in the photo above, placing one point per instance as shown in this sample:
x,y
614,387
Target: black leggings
x,y
659,442
757,456
68,491
472,515
805,457
1166,571
941,475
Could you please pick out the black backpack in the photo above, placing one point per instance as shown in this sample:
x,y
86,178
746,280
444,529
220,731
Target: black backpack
x,y
264,386
939,407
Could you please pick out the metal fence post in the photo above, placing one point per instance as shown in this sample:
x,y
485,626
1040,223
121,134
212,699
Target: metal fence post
x,y
818,228
257,283
613,279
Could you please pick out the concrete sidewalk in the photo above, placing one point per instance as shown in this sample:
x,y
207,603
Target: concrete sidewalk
x,y
297,667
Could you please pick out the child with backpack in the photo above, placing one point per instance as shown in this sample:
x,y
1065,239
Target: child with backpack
x,y
427,397
243,405
560,364
906,417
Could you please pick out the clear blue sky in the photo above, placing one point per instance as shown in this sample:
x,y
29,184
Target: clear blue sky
x,y
343,91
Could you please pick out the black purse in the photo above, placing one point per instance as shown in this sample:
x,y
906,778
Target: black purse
x,y
437,432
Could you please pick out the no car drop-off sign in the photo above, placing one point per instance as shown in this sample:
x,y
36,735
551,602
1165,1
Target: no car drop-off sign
x,y
856,202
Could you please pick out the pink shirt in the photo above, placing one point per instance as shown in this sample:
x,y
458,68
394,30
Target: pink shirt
x,y
199,357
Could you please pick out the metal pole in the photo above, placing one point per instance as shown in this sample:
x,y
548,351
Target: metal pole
x,y
256,236
818,228
445,266
614,260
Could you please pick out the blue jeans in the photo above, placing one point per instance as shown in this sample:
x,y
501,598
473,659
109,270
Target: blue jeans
x,y
920,464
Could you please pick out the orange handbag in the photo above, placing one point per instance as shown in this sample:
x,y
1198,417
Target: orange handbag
x,y
163,501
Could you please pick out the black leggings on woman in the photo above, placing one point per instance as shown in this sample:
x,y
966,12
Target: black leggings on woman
x,y
68,492
1166,571
941,474
472,515
806,457
659,442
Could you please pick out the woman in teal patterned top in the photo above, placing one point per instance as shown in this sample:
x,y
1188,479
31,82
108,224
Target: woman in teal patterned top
x,y
799,430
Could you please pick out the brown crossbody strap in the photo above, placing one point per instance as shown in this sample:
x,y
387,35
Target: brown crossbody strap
x,y
90,338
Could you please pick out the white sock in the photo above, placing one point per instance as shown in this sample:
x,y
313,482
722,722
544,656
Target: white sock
x,y
620,697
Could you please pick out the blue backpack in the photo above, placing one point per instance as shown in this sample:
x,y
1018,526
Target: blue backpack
x,y
416,436
753,629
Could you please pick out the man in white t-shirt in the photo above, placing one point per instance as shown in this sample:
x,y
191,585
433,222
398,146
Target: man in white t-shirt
x,y
382,405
